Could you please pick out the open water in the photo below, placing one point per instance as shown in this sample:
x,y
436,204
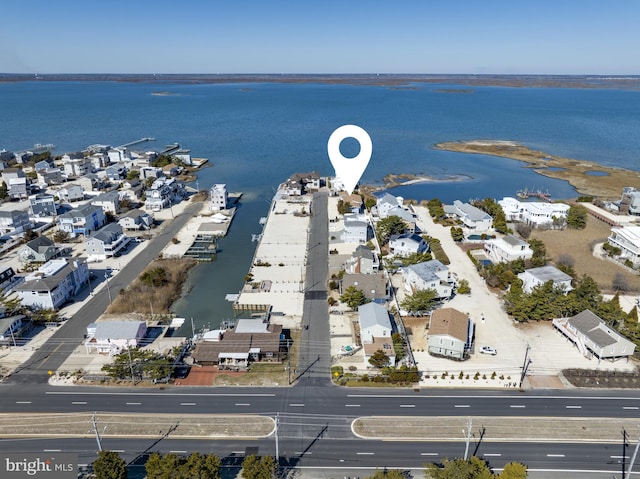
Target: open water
x,y
256,135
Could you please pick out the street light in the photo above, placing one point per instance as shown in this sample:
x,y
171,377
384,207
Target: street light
x,y
106,276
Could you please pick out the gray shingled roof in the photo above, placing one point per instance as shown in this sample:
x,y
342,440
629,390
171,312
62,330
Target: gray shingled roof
x,y
514,241
473,213
107,233
117,329
372,314
428,269
590,325
363,252
548,273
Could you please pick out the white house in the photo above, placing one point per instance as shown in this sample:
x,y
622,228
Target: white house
x,y
374,322
356,229
84,220
38,250
450,333
107,242
428,275
108,201
472,217
218,197
54,283
536,276
407,244
10,327
76,164
70,192
363,260
387,202
136,220
113,337
507,249
628,240
14,222
534,213
592,336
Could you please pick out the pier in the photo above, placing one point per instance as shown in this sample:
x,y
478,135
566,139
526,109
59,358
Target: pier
x,y
135,142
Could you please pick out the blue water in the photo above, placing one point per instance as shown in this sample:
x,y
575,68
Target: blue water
x,y
258,134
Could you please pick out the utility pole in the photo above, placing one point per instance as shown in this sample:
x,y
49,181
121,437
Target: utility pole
x,y
466,447
633,458
106,276
277,443
94,429
525,365
624,451
288,362
133,379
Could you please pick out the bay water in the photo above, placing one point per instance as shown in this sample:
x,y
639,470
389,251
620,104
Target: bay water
x,y
256,135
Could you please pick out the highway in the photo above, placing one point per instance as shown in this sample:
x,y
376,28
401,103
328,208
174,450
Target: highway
x,y
314,416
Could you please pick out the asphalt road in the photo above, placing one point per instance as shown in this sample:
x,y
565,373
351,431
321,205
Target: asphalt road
x,y
55,351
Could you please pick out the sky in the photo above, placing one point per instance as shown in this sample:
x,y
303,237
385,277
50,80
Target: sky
x,y
579,37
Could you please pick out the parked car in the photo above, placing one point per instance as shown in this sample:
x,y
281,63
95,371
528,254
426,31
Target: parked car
x,y
488,350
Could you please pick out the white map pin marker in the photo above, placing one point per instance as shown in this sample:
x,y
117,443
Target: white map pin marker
x,y
349,170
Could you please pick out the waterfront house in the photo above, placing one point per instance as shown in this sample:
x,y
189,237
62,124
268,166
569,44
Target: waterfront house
x,y
472,217
38,250
70,192
252,340
363,260
76,164
356,229
626,238
218,197
387,202
593,337
114,337
108,201
534,213
82,220
630,201
11,328
118,155
354,201
16,182
407,244
14,222
107,242
450,333
42,165
42,205
506,249
54,283
428,275
374,286
150,172
537,276
136,220
99,160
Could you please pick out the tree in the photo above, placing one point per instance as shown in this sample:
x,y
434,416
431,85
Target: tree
x,y
155,277
577,217
133,175
254,467
29,234
109,465
4,191
463,287
472,468
436,210
398,345
514,470
539,257
378,359
369,203
353,297
343,207
389,226
457,234
620,282
145,364
413,258
61,236
420,300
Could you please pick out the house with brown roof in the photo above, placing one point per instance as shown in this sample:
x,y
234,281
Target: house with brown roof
x,y
374,286
252,340
450,334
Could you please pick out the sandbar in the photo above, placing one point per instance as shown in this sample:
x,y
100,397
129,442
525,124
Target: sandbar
x,y
587,177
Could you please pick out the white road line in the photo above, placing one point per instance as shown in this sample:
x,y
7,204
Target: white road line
x,y
555,455
243,404
428,453
461,405
187,404
133,404
178,452
573,407
296,405
619,457
51,450
302,453
352,405
237,452
518,406
78,402
407,405
119,451
365,453
68,393
630,407
23,402
492,455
